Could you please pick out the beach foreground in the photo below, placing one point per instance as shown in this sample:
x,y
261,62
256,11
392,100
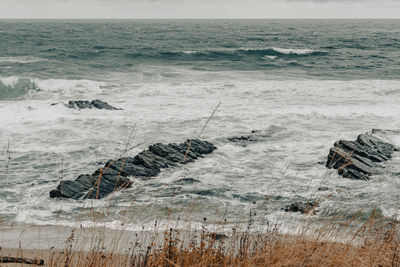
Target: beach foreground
x,y
374,243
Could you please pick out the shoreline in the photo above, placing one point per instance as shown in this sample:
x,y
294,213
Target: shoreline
x,y
55,237
57,245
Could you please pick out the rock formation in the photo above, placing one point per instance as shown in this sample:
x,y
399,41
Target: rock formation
x,y
148,163
361,158
302,207
84,104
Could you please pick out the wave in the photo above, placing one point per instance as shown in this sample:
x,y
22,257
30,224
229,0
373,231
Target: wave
x,y
284,51
268,51
21,59
232,53
16,87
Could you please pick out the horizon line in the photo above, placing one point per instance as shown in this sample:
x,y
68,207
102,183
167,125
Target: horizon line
x,y
201,18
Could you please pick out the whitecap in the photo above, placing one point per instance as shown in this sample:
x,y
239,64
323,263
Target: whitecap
x,y
285,51
270,57
21,59
190,52
289,51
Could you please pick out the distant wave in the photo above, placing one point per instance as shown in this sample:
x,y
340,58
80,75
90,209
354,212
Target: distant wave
x,y
21,59
270,57
268,51
284,51
16,87
232,53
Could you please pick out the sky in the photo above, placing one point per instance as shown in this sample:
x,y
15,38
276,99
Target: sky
x,y
199,9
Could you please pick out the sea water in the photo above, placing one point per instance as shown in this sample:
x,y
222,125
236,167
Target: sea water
x,y
303,83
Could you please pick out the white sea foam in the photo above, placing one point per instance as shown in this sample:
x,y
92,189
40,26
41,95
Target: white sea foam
x,y
301,120
21,59
284,51
71,86
270,57
190,52
289,51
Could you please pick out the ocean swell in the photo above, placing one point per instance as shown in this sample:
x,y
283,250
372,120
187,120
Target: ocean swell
x,y
229,53
17,87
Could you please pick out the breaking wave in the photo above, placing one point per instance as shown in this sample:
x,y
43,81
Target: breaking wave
x,y
284,51
17,87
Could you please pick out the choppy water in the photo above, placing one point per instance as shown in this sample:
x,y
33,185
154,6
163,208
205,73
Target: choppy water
x,y
303,83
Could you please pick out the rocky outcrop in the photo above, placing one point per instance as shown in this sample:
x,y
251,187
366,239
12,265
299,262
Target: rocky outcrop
x,y
148,163
361,158
302,207
184,181
81,104
84,104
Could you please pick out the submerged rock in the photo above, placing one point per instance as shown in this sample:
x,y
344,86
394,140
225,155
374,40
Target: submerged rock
x,y
79,104
253,137
323,188
148,163
302,207
184,181
361,158
273,131
83,104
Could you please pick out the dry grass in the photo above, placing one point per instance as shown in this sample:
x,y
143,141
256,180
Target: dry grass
x,y
373,243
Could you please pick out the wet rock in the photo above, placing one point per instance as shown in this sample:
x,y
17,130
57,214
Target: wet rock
x,y
302,207
253,137
361,158
272,132
84,104
186,181
90,186
148,163
323,188
218,236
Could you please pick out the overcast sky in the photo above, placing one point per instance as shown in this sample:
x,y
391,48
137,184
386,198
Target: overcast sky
x,y
199,8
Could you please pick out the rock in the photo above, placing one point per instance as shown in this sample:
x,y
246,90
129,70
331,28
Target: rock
x,y
148,163
323,188
361,158
302,207
218,236
272,132
83,104
253,137
186,181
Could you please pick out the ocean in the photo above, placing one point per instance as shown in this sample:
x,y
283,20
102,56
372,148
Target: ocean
x,y
302,83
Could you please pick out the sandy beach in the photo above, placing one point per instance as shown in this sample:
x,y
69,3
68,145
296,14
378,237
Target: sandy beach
x,y
43,242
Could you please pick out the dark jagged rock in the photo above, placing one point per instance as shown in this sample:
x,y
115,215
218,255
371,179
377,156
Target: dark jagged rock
x,y
273,131
148,163
82,104
302,207
361,158
186,181
253,137
323,188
